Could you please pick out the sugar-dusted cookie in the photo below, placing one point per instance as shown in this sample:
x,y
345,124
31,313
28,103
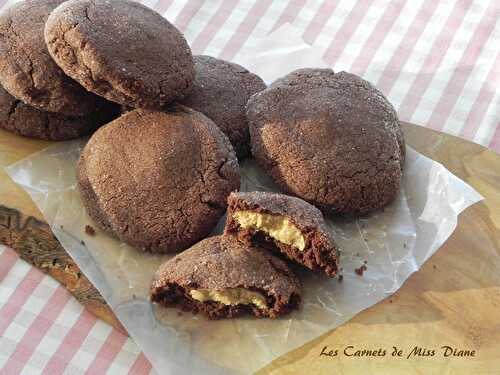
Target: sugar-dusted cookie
x,y
158,180
329,138
121,50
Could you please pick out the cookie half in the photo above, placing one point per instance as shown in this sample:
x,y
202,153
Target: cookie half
x,y
158,180
221,91
121,50
20,118
28,72
329,138
286,224
222,278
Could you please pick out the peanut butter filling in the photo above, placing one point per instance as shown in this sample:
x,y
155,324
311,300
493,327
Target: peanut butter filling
x,y
232,296
276,226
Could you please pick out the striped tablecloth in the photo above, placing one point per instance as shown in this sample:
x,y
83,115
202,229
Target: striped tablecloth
x,y
438,61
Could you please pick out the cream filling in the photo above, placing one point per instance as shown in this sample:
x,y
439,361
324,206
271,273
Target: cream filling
x,y
234,296
276,226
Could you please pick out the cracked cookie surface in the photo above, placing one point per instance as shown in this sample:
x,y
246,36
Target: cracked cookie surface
x,y
28,72
221,91
20,118
220,264
158,180
329,138
121,50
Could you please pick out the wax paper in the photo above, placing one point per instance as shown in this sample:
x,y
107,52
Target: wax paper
x,y
394,243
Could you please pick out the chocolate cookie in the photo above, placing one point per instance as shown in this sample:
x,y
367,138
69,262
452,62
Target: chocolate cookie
x,y
26,69
221,91
223,278
158,181
17,117
331,139
121,50
283,223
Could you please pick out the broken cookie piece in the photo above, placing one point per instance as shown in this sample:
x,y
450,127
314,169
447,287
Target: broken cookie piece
x,y
222,278
283,223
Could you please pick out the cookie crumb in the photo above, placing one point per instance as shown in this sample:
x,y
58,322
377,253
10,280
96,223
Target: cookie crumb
x,y
359,271
434,266
390,301
341,278
89,230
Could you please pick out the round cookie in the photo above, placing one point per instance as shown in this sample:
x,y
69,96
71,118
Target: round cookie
x,y
331,139
158,180
19,118
231,279
221,91
121,50
26,69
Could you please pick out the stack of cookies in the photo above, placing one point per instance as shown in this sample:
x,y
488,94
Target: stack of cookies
x,y
37,99
163,169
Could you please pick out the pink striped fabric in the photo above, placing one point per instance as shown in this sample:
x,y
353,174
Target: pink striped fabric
x,y
187,14
318,22
16,301
244,29
464,68
495,143
342,37
481,105
404,49
70,344
437,61
140,366
213,25
289,13
36,332
162,6
376,38
108,352
7,261
39,336
434,59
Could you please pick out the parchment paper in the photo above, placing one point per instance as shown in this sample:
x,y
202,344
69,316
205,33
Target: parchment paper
x,y
395,243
